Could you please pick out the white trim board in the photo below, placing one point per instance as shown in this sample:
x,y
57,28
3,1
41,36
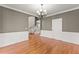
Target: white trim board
x,y
15,37
63,11
17,10
12,38
37,15
71,37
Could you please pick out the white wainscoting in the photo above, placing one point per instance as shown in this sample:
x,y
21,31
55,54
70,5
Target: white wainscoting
x,y
71,37
12,38
15,37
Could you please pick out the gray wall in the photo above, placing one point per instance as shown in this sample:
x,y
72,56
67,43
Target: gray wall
x,y
1,20
12,21
47,24
70,22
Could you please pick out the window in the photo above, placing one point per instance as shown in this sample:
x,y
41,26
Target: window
x,y
57,25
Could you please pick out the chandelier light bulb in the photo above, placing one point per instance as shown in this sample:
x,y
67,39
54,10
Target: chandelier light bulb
x,y
41,10
44,10
37,11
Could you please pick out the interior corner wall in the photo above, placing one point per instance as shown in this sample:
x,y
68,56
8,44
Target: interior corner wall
x,y
1,26
70,21
12,21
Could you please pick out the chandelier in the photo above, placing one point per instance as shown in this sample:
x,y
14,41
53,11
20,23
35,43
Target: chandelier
x,y
42,12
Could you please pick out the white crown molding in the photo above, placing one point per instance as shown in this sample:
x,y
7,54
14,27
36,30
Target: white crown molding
x,y
17,10
36,15
63,11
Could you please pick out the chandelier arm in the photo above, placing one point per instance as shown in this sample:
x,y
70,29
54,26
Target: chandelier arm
x,y
41,12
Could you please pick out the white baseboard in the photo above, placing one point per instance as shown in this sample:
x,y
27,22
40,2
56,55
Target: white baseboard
x,y
71,37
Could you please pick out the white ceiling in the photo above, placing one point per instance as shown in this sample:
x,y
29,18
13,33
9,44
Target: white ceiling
x,y
52,9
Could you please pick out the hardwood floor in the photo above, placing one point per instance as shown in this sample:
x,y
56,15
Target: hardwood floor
x,y
41,45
